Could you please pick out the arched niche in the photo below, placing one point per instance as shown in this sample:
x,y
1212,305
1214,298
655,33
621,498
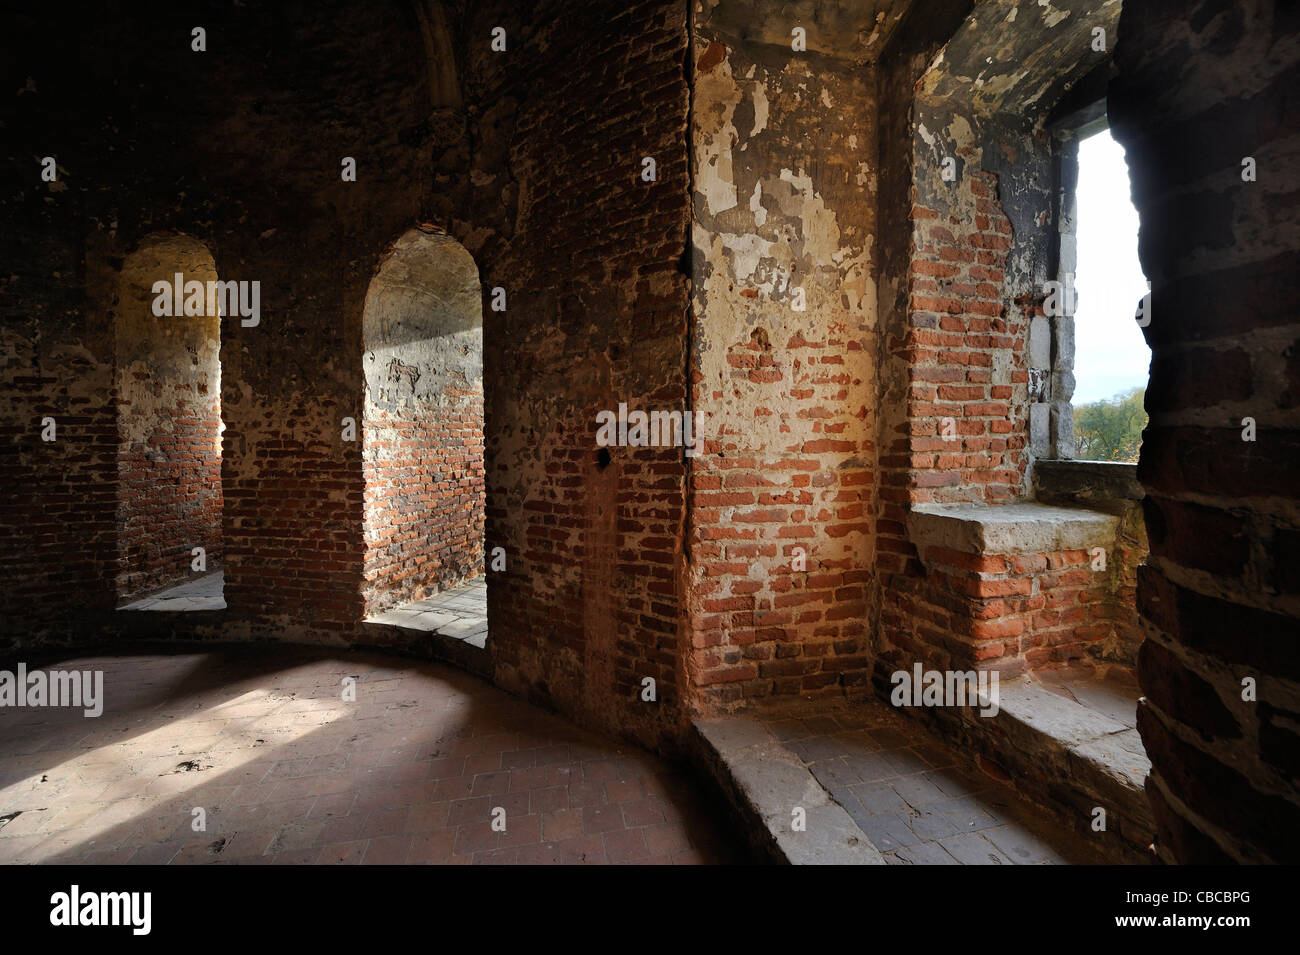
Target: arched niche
x,y
422,423
168,383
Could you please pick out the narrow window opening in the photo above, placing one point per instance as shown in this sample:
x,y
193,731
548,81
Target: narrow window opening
x,y
1112,360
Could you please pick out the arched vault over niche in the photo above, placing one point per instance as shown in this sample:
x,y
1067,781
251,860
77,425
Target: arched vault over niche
x,y
422,424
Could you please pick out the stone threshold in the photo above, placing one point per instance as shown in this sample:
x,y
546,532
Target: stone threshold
x,y
451,626
428,644
200,594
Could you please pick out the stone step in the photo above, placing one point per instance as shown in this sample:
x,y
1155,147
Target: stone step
x,y
468,653
765,782
1080,758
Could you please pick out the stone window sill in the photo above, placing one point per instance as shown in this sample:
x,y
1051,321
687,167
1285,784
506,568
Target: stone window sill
x,y
1088,483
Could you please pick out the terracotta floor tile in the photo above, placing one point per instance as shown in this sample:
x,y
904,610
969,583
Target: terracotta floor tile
x,y
288,773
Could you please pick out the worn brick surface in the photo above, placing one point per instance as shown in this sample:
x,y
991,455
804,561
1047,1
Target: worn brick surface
x,y
590,256
783,373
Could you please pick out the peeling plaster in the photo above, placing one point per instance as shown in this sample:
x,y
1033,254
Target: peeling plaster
x,y
1013,69
760,109
792,231
821,233
1053,16
747,251
717,95
756,204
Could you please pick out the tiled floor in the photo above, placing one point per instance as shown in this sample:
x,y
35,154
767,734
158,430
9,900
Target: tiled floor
x,y
205,593
286,771
919,800
460,613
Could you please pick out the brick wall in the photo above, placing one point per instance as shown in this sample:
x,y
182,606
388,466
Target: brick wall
x,y
610,576
57,510
294,489
217,147
955,405
424,492
779,541
965,353
249,165
1006,612
591,259
1111,488
1201,86
967,245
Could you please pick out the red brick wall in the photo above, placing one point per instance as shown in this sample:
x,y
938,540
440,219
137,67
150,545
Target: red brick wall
x,y
960,324
424,500
292,521
966,230
282,215
1111,488
274,210
597,592
422,426
956,425
1004,612
170,500
57,511
58,529
780,543
591,259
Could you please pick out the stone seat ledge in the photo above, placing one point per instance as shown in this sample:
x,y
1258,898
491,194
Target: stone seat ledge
x,y
764,781
1095,759
1020,528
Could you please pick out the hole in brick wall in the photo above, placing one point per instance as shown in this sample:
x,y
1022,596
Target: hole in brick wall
x,y
602,459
